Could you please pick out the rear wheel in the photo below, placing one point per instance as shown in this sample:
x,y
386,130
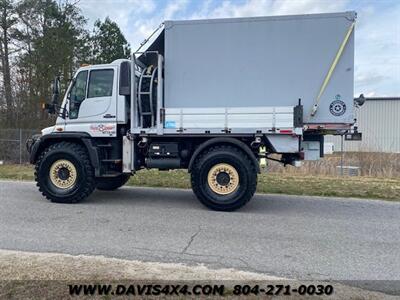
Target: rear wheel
x,y
64,173
112,183
224,178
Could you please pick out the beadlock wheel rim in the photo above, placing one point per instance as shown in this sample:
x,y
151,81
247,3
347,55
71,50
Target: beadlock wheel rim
x,y
223,188
63,174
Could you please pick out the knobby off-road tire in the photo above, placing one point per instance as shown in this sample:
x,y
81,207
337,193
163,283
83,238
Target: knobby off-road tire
x,y
112,183
64,173
224,178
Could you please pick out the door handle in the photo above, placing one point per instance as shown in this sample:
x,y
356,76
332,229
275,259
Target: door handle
x,y
108,116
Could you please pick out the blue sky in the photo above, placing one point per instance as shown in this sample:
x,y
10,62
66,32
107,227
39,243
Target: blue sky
x,y
377,58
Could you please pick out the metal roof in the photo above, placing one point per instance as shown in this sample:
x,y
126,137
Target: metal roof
x,y
381,98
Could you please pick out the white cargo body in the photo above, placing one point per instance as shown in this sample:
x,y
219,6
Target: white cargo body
x,y
249,66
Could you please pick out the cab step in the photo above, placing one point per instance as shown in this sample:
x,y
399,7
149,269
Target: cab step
x,y
114,161
111,174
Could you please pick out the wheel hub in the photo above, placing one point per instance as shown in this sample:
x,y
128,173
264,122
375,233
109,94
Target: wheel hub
x,y
223,179
63,174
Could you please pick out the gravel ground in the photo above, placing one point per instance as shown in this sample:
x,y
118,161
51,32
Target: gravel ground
x,y
52,273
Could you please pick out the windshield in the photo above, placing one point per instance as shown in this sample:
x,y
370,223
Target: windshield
x,y
77,94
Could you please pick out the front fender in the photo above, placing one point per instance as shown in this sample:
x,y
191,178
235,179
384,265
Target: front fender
x,y
37,144
32,144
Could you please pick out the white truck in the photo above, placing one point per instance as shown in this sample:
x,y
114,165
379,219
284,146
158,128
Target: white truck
x,y
204,96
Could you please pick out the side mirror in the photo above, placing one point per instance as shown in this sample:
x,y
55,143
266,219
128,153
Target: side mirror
x,y
56,91
48,107
53,107
360,100
56,85
125,78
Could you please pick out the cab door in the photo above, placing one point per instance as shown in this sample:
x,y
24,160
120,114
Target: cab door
x,y
92,101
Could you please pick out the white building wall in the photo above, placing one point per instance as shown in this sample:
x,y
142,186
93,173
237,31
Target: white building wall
x,y
379,122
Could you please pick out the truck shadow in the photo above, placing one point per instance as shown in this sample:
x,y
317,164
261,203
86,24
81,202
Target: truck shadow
x,y
162,197
172,198
272,205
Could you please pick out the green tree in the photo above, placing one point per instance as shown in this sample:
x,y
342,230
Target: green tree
x,y
108,42
55,42
41,39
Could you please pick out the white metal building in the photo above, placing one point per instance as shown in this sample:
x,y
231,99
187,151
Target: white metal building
x,y
379,121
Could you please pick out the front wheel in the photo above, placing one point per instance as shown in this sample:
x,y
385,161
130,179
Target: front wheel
x,y
64,173
224,178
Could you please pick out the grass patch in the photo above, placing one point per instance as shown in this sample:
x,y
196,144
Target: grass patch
x,y
16,172
275,183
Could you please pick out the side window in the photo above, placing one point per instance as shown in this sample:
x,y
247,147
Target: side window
x,y
77,94
101,83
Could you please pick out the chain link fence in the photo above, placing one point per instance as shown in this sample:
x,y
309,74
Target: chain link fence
x,y
12,145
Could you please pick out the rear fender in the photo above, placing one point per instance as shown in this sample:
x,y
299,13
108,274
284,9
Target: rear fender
x,y
224,141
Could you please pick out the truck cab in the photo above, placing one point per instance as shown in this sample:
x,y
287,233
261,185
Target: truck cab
x,y
93,98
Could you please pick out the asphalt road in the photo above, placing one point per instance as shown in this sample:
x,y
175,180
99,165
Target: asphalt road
x,y
286,236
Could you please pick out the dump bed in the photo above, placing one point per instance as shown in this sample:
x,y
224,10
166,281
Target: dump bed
x,y
261,62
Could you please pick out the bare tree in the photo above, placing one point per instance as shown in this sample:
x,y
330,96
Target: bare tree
x,y
7,21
